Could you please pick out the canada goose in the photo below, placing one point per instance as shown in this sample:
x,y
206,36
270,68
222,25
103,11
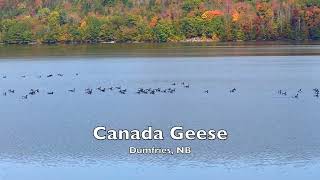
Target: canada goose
x,y
5,94
60,75
50,93
141,90
33,92
23,76
296,96
88,91
233,90
101,89
4,77
25,97
187,86
50,75
316,91
72,90
110,88
122,91
300,91
172,91
77,74
173,84
206,91
11,91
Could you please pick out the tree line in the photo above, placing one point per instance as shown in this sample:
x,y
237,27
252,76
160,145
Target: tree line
x,y
91,21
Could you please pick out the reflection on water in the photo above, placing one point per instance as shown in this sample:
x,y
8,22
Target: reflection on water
x,y
164,50
271,136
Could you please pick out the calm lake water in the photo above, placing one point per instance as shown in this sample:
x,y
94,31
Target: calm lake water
x,y
271,135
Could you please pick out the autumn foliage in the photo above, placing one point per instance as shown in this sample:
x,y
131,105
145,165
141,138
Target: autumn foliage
x,y
93,21
208,15
153,22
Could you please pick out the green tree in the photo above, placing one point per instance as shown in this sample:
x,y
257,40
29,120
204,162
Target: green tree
x,y
193,27
107,33
216,28
52,30
91,30
189,5
163,31
18,32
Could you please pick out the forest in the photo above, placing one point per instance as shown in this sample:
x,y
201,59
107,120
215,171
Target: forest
x,y
106,21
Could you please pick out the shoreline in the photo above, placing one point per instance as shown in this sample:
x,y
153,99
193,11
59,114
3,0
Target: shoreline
x,y
186,41
167,49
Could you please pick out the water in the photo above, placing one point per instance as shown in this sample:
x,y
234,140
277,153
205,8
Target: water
x,y
271,136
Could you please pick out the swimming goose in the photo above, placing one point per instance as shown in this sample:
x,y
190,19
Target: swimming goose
x,y
32,92
233,90
122,91
172,90
101,89
88,91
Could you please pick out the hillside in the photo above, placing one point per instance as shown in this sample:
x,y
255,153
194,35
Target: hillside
x,y
76,21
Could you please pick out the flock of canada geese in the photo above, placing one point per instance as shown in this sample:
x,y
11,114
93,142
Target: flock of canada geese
x,y
152,91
